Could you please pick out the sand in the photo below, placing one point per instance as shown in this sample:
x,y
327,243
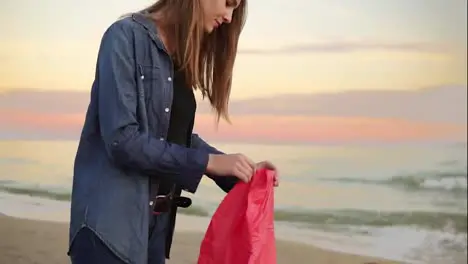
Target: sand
x,y
42,242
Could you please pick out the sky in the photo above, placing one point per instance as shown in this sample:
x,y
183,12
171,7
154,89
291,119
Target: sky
x,y
295,47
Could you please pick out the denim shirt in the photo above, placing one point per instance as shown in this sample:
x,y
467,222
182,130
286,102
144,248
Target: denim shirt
x,y
122,143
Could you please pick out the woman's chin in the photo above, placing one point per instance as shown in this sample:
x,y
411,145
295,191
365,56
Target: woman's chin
x,y
209,29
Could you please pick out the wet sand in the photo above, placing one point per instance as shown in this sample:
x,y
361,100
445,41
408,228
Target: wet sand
x,y
42,242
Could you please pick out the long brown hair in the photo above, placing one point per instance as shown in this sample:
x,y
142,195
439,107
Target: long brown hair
x,y
206,59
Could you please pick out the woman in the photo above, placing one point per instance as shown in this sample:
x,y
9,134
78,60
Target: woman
x,y
137,151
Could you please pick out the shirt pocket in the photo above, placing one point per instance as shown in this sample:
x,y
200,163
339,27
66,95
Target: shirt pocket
x,y
151,87
149,77
149,73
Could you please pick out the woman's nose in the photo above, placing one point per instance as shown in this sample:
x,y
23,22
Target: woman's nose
x,y
227,18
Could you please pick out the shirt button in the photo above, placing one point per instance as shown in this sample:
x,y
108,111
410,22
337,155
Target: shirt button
x,y
142,77
161,138
169,79
166,110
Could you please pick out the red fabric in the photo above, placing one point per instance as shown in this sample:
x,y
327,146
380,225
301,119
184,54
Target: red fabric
x,y
241,230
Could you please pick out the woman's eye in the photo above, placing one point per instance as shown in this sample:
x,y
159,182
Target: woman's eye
x,y
231,3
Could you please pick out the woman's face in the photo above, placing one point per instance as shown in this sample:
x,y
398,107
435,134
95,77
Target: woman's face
x,y
217,12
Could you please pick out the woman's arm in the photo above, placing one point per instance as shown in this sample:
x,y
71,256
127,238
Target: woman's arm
x,y
225,183
125,143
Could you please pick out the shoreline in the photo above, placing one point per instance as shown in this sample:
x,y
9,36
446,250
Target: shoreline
x,y
41,242
52,212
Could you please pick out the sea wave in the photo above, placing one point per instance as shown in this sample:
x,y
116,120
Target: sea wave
x,y
357,218
426,220
44,191
60,193
16,161
445,181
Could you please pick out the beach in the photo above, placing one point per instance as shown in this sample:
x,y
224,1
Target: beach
x,y
334,204
45,242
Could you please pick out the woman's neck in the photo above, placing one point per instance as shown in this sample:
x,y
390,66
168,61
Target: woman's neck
x,y
162,27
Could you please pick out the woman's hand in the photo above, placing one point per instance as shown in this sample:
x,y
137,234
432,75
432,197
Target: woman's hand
x,y
237,165
268,165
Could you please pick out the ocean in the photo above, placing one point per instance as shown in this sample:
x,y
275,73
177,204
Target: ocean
x,y
401,202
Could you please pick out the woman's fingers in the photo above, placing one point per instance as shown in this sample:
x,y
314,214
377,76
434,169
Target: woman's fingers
x,y
266,164
244,168
247,167
250,163
242,173
276,180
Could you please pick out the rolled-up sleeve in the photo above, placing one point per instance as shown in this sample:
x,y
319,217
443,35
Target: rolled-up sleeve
x,y
127,145
225,183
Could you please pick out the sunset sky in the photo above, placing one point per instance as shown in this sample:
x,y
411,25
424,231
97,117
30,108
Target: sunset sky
x,y
288,47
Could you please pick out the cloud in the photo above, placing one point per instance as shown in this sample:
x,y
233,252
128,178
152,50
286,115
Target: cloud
x,y
444,104
44,101
348,46
323,129
254,128
437,113
32,124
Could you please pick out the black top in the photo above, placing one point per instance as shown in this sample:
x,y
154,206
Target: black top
x,y
181,121
183,111
180,130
